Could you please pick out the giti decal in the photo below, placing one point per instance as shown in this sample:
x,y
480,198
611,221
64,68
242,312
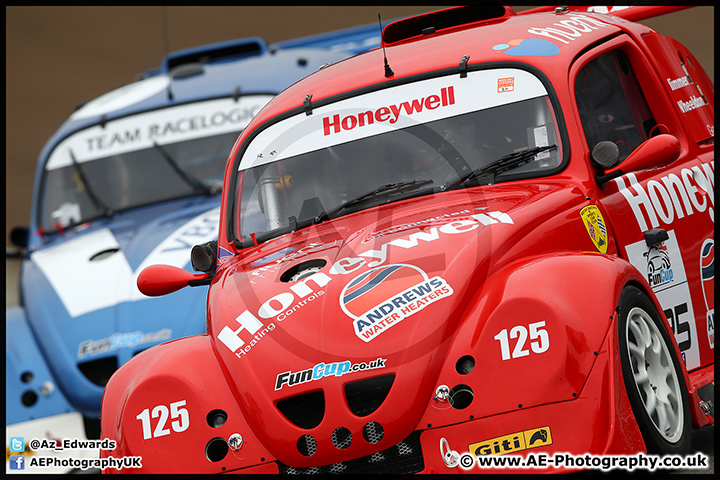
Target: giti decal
x,y
707,273
515,442
382,297
595,226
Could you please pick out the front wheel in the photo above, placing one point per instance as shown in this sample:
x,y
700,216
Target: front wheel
x,y
652,374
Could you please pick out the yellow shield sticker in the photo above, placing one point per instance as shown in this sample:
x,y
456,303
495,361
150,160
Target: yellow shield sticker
x,y
595,226
512,443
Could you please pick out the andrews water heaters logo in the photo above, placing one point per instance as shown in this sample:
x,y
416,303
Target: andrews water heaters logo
x,y
384,296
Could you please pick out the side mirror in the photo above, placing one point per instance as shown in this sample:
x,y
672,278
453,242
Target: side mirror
x,y
204,256
19,236
158,280
655,152
605,155
658,151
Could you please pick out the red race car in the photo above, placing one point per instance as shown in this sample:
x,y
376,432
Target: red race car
x,y
490,239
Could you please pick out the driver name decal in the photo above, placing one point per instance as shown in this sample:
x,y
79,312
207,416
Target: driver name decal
x,y
390,113
691,104
383,297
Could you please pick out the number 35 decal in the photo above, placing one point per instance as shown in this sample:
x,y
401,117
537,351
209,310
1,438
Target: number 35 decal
x,y
179,416
539,340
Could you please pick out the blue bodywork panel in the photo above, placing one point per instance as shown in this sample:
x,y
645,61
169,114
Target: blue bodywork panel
x,y
26,373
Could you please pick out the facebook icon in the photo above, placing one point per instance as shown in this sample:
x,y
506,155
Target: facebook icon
x,y
17,462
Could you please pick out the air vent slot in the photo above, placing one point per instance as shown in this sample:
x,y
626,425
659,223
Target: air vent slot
x,y
341,438
187,70
307,445
104,254
99,371
441,19
405,458
373,432
235,49
304,411
366,396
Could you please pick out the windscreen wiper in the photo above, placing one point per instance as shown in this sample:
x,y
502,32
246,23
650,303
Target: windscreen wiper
x,y
386,190
195,184
506,162
99,204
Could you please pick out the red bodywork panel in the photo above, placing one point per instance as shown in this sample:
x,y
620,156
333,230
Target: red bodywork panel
x,y
513,274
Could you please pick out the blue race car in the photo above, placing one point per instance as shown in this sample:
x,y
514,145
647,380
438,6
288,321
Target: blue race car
x,y
131,179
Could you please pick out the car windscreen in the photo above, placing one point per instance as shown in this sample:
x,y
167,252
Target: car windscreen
x,y
141,160
421,138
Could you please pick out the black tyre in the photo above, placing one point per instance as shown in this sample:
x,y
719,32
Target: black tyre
x,y
653,378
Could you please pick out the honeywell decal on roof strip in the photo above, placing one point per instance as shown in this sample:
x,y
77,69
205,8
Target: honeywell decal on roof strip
x,y
390,114
166,126
389,109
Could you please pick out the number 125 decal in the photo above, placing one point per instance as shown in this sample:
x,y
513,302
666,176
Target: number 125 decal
x,y
539,340
180,419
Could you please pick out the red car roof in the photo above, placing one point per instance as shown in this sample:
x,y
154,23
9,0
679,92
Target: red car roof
x,y
550,43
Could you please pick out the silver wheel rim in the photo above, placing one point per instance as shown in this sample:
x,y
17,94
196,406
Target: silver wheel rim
x,y
654,375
